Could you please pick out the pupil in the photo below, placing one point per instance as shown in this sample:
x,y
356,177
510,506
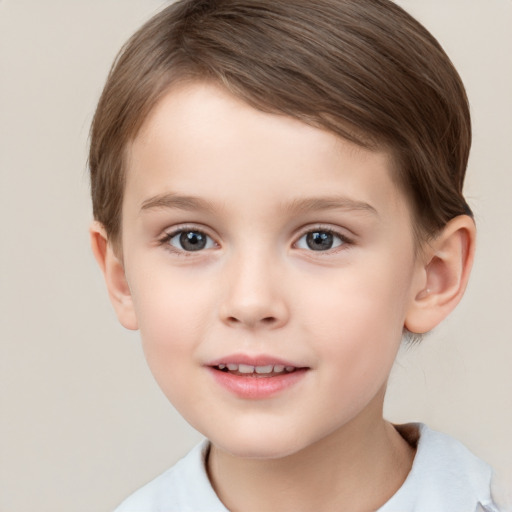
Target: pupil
x,y
319,240
192,241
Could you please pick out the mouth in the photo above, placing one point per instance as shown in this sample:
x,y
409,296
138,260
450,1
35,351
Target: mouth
x,y
262,371
256,378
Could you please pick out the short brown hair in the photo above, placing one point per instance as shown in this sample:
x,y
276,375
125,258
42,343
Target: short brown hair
x,y
363,69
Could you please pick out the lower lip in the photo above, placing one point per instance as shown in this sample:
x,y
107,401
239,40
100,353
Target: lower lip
x,y
257,388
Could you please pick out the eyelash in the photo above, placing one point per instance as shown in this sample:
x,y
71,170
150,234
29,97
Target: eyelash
x,y
343,241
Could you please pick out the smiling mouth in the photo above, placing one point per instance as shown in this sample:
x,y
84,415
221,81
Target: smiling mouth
x,y
261,380
247,370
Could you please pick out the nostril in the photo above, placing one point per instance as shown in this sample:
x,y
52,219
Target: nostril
x,y
265,321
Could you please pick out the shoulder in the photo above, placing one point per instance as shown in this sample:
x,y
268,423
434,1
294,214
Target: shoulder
x,y
185,487
445,476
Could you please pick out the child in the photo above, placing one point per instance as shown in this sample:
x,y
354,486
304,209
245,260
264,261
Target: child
x,y
277,188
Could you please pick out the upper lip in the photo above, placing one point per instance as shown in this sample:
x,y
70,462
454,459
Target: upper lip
x,y
253,360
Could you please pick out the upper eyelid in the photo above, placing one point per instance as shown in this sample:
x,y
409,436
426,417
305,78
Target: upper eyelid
x,y
344,233
174,230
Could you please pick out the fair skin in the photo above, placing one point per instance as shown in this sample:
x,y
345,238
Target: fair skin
x,y
253,239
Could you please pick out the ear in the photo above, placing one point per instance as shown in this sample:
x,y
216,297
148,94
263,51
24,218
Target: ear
x,y
115,278
443,275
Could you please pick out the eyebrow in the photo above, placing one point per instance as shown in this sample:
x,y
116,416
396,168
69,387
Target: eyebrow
x,y
330,203
189,203
170,200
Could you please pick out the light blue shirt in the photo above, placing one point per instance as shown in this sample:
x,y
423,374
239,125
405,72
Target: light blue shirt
x,y
445,477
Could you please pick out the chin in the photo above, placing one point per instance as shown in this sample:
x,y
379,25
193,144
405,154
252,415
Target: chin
x,y
260,445
252,451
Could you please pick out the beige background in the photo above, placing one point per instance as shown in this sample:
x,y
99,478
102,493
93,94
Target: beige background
x,y
81,422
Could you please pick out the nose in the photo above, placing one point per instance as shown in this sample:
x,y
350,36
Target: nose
x,y
254,295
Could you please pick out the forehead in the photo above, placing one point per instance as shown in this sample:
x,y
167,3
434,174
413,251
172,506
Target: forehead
x,y
202,139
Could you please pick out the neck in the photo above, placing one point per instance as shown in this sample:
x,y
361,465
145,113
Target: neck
x,y
357,468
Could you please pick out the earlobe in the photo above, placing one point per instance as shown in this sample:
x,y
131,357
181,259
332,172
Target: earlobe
x,y
115,278
444,275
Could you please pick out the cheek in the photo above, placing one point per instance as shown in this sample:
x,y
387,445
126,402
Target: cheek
x,y
364,299
164,297
173,315
358,318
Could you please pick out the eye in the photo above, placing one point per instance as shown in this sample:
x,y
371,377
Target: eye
x,y
189,240
320,240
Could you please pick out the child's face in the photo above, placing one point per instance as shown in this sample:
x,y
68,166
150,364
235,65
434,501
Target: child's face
x,y
254,239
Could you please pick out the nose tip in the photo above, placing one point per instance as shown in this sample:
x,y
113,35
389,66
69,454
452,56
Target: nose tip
x,y
253,300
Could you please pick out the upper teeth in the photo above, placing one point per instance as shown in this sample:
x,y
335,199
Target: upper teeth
x,y
247,368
